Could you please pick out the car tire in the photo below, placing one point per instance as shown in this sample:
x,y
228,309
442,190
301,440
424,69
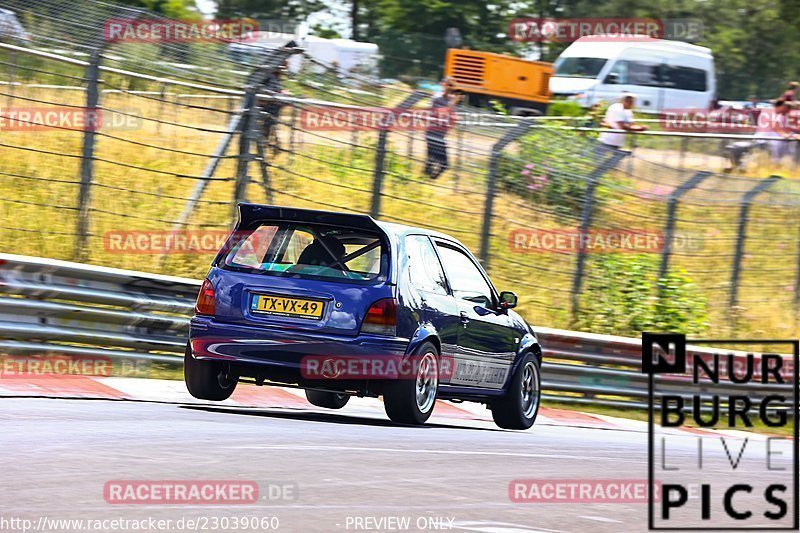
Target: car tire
x,y
518,408
328,400
411,401
207,380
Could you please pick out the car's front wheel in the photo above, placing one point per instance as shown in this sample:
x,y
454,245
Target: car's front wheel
x,y
518,408
410,398
328,400
208,380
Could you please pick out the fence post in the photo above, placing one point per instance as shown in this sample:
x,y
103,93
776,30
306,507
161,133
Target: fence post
x,y
684,148
162,100
721,154
236,125
797,284
744,213
247,137
459,153
491,184
291,135
11,69
353,145
630,160
410,151
795,148
87,154
380,155
672,210
587,214
265,179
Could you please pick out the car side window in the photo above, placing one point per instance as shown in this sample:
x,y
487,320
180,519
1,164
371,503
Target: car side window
x,y
424,268
465,278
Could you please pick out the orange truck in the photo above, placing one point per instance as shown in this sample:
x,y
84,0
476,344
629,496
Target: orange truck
x,y
522,86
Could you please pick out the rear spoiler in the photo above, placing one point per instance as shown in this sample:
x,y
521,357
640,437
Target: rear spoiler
x,y
252,214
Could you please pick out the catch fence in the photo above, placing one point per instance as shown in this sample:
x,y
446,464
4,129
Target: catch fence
x,y
590,239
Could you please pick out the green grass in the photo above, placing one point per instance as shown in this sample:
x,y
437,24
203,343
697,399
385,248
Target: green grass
x,y
322,170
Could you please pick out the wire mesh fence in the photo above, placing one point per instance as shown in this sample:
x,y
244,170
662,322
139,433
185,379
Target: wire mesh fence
x,y
590,238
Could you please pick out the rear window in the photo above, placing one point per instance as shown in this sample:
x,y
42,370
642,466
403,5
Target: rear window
x,y
308,251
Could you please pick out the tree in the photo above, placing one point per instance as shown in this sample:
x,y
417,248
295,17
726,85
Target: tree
x,y
175,9
282,10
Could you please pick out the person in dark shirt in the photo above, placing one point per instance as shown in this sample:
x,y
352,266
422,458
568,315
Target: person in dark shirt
x,y
443,106
271,108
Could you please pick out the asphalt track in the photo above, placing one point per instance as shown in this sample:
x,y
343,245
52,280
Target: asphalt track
x,y
348,470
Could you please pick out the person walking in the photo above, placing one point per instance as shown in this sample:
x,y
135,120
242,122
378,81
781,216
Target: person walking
x,y
442,107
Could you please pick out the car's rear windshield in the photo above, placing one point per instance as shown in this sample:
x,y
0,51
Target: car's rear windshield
x,y
308,251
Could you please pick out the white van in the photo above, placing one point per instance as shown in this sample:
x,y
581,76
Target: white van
x,y
350,56
662,74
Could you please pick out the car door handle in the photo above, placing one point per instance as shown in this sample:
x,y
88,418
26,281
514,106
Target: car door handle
x,y
464,318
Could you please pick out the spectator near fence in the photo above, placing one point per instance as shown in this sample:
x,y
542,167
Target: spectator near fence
x,y
619,116
776,123
271,108
441,105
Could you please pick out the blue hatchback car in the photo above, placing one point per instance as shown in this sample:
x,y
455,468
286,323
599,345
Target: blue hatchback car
x,y
342,304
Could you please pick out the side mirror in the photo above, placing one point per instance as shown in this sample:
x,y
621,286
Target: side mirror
x,y
508,300
612,78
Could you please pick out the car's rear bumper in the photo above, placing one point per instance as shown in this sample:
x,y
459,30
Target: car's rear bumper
x,y
285,349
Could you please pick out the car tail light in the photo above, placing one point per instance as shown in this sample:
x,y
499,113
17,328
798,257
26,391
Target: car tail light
x,y
205,299
381,318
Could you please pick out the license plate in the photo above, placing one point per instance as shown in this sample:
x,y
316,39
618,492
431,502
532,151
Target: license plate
x,y
282,306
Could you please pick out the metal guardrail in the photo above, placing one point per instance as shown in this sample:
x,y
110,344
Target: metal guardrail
x,y
50,306
57,307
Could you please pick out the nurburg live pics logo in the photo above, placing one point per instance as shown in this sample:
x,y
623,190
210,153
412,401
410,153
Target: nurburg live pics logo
x,y
726,478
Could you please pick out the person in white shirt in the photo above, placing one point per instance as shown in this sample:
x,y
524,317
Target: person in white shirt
x,y
619,116
778,123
